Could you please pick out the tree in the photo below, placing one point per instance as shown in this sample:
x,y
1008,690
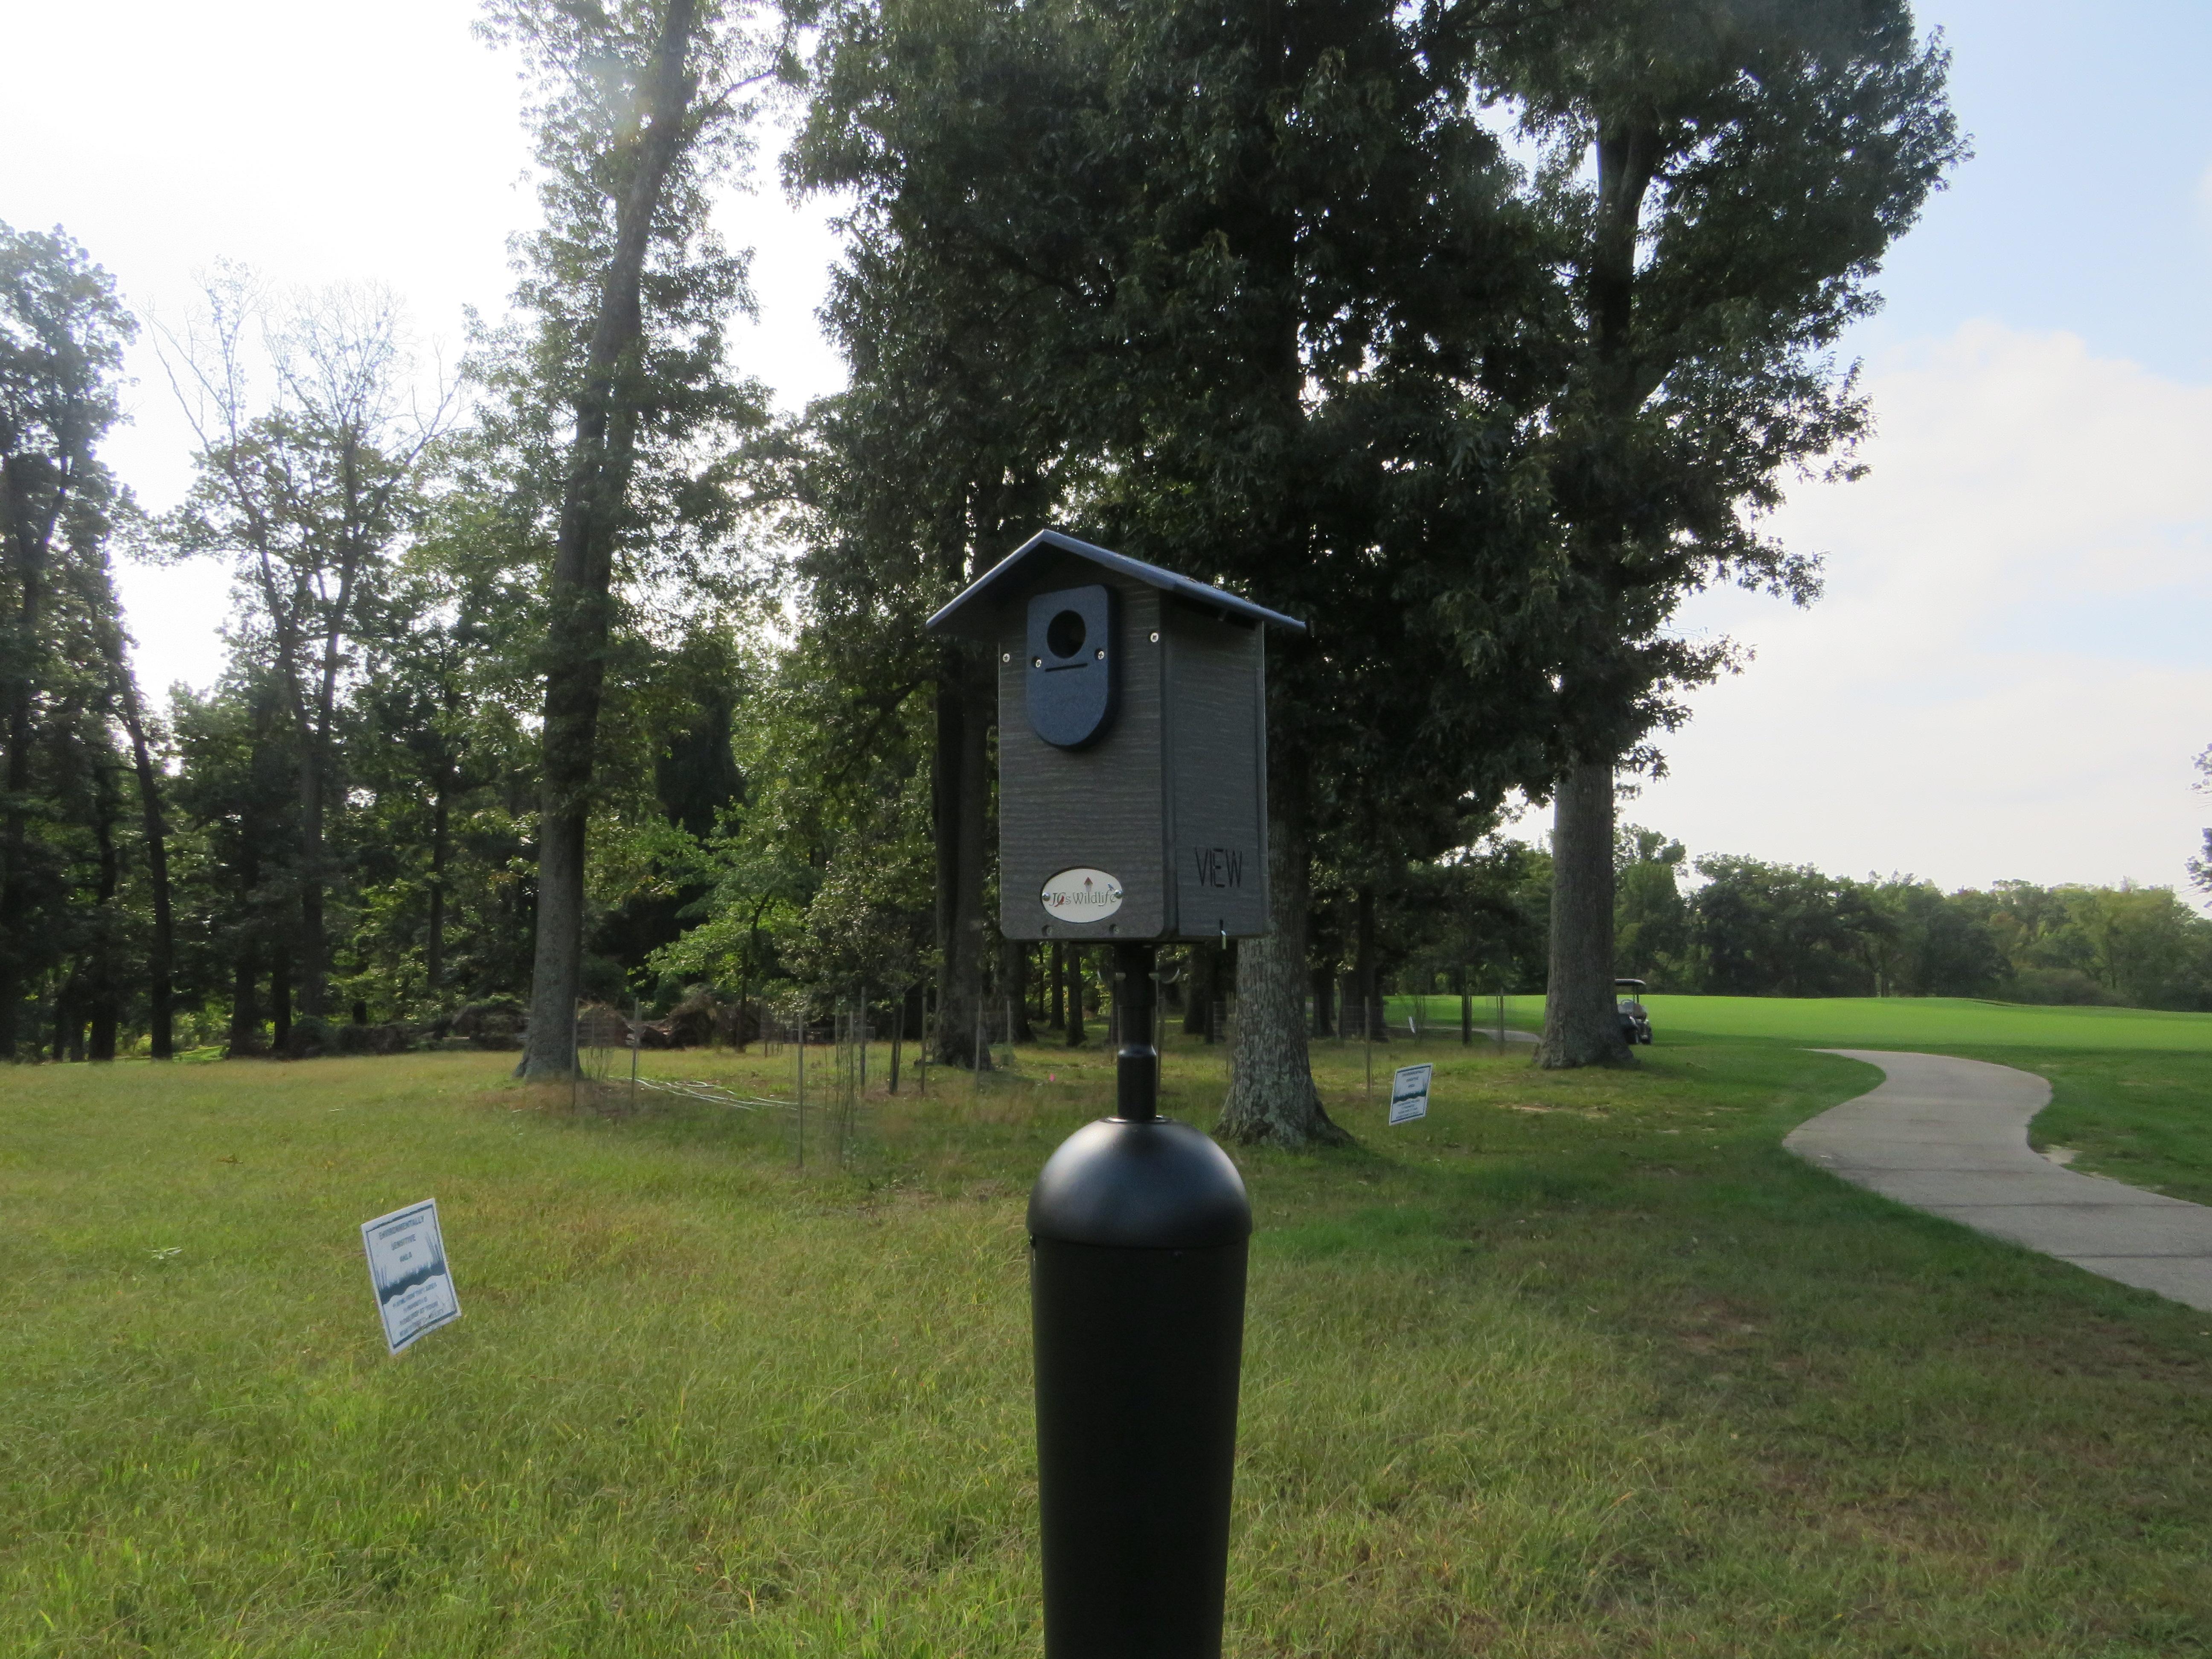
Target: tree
x,y
642,104
1229,282
1774,930
62,334
1650,916
237,790
307,496
953,442
1721,183
106,615
1933,943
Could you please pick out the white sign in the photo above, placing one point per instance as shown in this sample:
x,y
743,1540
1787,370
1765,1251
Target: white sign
x,y
407,1268
1409,1093
1081,895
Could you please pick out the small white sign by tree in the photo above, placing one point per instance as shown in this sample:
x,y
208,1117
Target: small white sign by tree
x,y
1409,1093
407,1268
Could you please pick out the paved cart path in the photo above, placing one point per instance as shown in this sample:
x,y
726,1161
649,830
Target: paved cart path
x,y
1950,1137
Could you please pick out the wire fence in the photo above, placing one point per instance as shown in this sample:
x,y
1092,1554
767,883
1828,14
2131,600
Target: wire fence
x,y
829,1079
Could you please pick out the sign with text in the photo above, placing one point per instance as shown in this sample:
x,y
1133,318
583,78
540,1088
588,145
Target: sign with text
x,y
407,1268
1409,1093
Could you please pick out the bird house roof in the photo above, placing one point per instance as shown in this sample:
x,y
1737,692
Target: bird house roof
x,y
976,611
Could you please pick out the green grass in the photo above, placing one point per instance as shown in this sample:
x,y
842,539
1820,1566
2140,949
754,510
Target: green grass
x,y
2131,1087
1581,1365
1937,1023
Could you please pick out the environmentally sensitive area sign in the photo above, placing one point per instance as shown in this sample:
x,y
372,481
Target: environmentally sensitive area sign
x,y
1409,1093
407,1266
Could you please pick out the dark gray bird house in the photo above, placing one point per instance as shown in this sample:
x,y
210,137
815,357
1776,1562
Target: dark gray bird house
x,y
1132,745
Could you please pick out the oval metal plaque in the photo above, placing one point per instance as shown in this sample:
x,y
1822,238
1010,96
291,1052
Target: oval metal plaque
x,y
1081,895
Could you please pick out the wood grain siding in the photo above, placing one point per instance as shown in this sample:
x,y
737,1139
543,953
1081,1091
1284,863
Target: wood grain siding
x,y
1217,775
1103,806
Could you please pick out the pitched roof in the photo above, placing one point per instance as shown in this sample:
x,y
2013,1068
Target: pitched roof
x,y
994,582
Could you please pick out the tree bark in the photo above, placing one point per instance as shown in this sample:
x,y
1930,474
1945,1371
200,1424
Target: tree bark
x,y
1324,999
1056,1015
69,1024
1581,1025
600,459
244,1016
961,792
1201,981
1014,987
1271,1098
280,1001
1075,1035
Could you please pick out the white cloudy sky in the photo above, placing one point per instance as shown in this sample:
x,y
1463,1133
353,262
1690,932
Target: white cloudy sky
x,y
2008,676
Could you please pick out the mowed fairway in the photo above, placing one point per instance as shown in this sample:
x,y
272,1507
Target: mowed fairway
x,y
1581,1364
1938,1024
2131,1087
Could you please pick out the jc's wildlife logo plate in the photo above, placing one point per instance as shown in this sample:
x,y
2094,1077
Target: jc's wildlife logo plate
x,y
1081,895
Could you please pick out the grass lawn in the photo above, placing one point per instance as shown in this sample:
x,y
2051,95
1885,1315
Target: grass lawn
x,y
1938,1024
1581,1364
2131,1088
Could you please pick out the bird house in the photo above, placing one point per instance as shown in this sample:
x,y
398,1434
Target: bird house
x,y
1132,746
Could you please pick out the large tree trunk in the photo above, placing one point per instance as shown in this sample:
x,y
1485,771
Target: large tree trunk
x,y
1075,990
581,609
960,789
1324,999
1201,984
1272,1097
1581,1025
1014,988
280,1001
1056,1011
244,1016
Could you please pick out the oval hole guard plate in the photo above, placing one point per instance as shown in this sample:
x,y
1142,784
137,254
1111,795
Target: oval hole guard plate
x,y
1072,669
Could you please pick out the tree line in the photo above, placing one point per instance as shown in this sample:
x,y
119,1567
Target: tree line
x,y
1724,924
1477,335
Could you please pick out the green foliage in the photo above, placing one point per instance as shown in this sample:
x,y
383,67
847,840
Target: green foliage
x,y
69,924
821,876
1767,929
1717,186
1651,914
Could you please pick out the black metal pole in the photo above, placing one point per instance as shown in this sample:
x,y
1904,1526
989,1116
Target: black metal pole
x,y
1139,1229
1136,1062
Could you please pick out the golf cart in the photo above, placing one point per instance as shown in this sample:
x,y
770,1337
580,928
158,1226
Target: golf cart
x,y
1635,1023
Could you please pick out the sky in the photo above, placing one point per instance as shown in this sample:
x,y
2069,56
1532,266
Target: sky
x,y
2005,678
